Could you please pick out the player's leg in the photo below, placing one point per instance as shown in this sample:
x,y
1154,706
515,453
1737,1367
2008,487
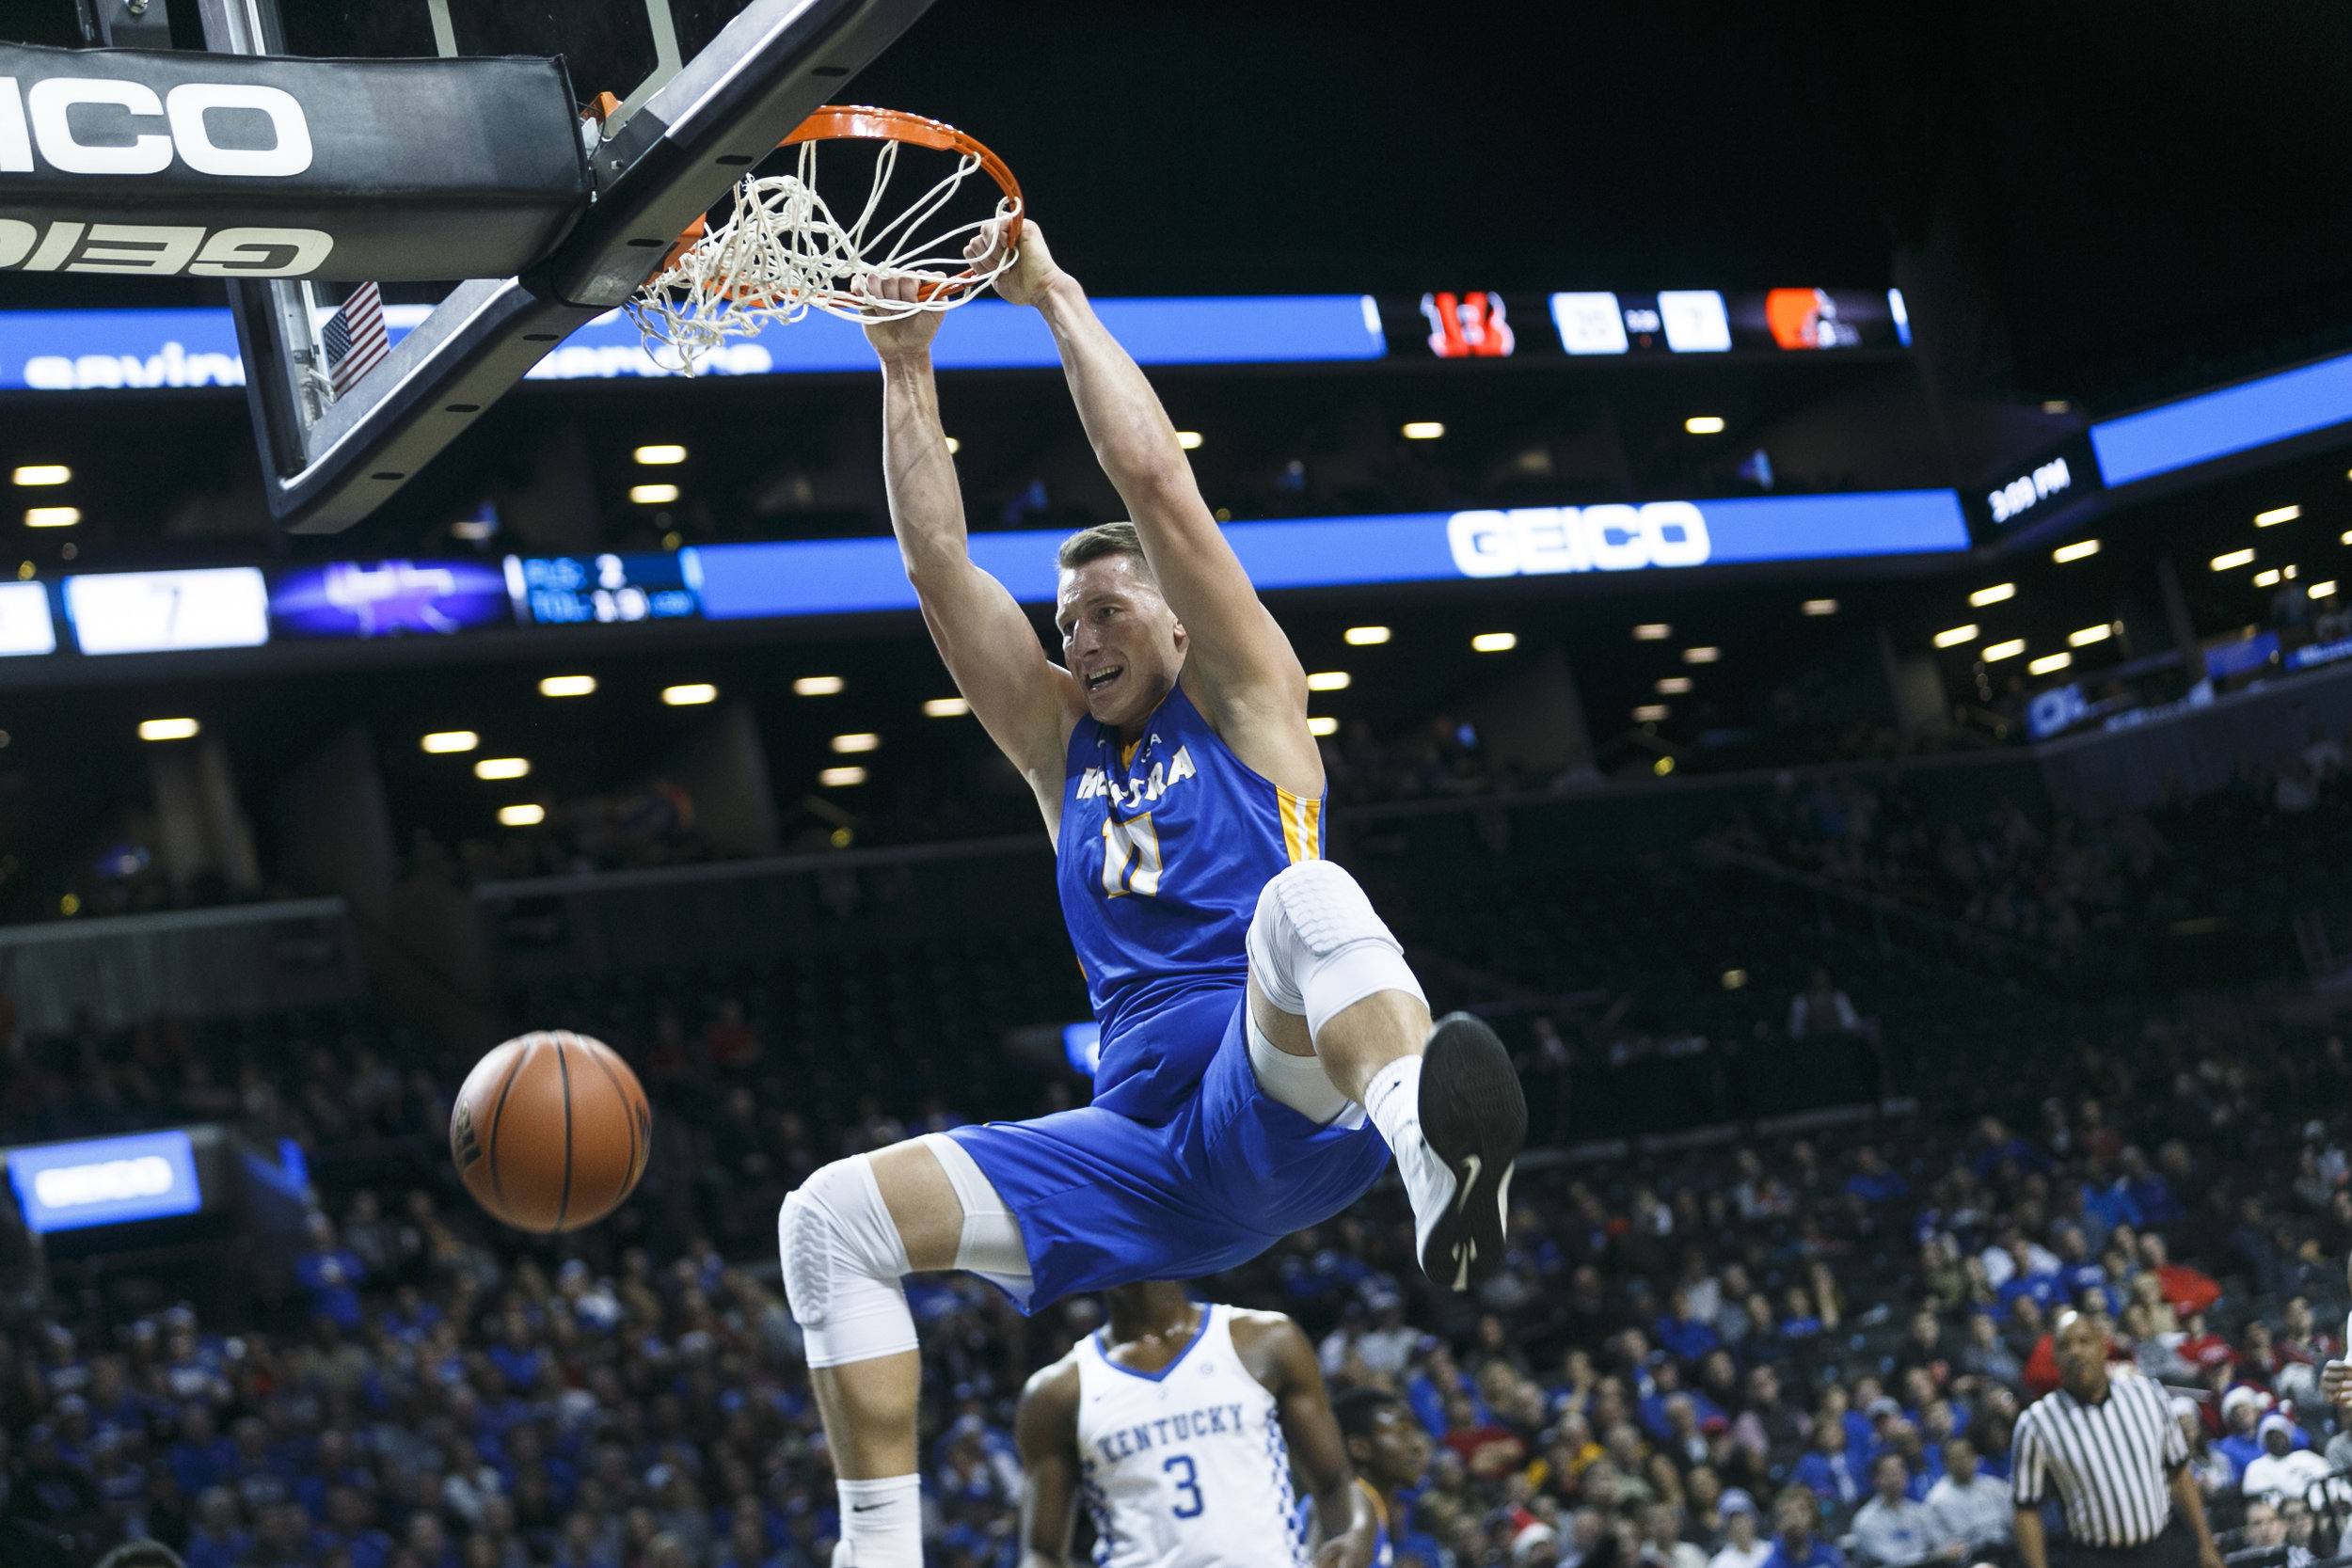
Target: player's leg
x,y
849,1235
1336,1016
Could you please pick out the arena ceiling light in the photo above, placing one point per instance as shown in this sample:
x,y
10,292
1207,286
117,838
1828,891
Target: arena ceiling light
x,y
567,686
1329,680
168,729
841,777
522,816
1188,439
1494,642
692,694
2268,579
502,767
1365,637
1651,713
1702,655
954,446
817,685
2276,516
1424,429
1674,685
1704,424
2231,561
1995,652
1819,607
660,456
52,516
42,473
2081,549
947,707
850,744
1654,631
443,741
653,494
2321,590
1956,636
1322,726
2049,664
1994,594
2089,635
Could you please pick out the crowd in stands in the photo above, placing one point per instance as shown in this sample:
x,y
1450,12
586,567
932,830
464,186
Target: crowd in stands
x,y
1691,1359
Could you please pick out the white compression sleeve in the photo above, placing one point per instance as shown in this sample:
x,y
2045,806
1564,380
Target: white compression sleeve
x,y
991,1246
1298,1082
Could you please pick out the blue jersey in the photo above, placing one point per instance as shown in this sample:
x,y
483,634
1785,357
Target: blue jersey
x,y
1163,848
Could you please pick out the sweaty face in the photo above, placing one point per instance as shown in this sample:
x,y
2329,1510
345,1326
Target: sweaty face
x,y
1118,639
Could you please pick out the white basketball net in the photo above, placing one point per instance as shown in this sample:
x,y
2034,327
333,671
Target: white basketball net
x,y
784,253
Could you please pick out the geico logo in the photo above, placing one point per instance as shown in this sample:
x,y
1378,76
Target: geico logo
x,y
72,1186
162,248
1530,541
47,109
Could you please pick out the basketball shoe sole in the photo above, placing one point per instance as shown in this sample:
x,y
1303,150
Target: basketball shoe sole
x,y
1474,1117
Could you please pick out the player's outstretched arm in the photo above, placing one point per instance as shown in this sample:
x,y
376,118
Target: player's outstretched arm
x,y
1281,1356
1027,703
1046,1433
1239,661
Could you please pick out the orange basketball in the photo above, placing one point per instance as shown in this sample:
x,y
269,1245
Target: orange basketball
x,y
551,1131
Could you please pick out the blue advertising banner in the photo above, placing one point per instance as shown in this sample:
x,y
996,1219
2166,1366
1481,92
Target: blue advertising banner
x,y
837,576
105,1180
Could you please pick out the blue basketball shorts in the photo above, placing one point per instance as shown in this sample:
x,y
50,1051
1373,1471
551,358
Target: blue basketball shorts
x,y
1103,1199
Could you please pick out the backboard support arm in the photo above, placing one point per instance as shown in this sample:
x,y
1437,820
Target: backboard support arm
x,y
327,465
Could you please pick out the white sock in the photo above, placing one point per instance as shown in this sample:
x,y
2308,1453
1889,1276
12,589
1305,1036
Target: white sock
x,y
882,1522
1394,1100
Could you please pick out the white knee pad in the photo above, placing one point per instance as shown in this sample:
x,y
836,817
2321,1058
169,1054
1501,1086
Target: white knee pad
x,y
1317,949
842,1263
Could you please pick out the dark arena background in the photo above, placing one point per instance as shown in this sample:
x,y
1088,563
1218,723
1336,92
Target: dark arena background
x,y
1815,532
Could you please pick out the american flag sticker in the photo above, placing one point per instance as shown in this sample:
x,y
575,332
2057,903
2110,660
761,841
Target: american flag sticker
x,y
355,338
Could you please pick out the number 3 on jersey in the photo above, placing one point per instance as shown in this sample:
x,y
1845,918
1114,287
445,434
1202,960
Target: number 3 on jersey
x,y
1189,1483
1130,857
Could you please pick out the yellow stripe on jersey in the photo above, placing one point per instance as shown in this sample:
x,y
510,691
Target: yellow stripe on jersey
x,y
1302,822
1372,1494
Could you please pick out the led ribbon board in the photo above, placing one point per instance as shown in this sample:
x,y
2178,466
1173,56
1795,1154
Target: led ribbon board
x,y
72,1186
2194,430
837,576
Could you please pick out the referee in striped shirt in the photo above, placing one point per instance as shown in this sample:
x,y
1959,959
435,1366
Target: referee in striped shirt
x,y
2113,1453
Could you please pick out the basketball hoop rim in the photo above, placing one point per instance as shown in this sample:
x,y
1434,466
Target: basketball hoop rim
x,y
866,122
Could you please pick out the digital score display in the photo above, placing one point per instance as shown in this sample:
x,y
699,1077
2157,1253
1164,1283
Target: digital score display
x,y
571,590
156,612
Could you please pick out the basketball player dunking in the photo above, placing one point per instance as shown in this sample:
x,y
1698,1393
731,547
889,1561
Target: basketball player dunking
x,y
1178,1424
1264,1047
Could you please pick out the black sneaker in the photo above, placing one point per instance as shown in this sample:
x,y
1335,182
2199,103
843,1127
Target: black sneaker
x,y
1474,1119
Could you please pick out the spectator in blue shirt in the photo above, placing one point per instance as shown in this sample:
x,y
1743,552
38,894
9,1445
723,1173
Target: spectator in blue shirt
x,y
1830,1472
2149,1192
203,1458
1874,1180
1666,1381
216,1542
1684,1334
1794,1544
2047,1290
331,1274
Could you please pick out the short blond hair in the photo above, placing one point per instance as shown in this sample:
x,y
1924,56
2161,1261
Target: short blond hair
x,y
1100,543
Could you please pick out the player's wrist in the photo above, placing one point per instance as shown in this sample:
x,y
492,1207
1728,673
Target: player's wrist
x,y
915,359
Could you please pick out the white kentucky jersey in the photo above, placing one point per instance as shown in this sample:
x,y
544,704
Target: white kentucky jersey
x,y
1187,1466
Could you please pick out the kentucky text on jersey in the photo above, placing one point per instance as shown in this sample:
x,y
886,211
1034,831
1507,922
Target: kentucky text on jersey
x,y
1215,1420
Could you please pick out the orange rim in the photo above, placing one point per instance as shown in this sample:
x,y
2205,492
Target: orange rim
x,y
862,122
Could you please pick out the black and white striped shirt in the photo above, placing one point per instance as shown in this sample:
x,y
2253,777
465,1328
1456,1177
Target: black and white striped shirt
x,y
2110,1462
